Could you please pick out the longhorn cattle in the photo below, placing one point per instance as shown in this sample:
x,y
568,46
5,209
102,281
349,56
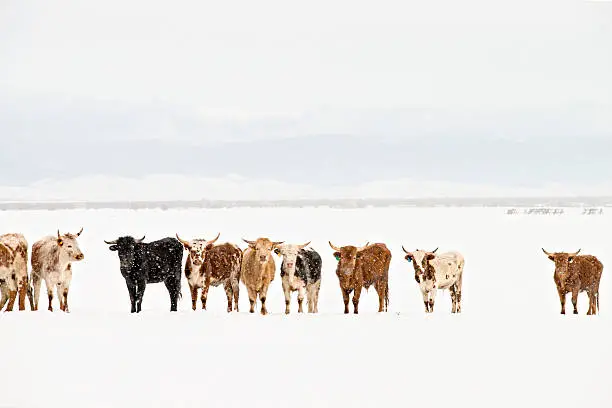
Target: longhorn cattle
x,y
257,271
208,264
14,271
360,268
437,272
301,272
52,258
577,273
153,262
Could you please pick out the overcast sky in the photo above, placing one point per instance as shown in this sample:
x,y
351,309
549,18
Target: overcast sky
x,y
263,69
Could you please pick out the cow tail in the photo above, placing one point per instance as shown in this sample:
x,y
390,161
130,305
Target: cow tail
x,y
387,296
597,300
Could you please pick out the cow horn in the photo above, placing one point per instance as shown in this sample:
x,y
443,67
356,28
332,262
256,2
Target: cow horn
x,y
364,247
575,253
434,251
110,242
214,240
248,242
333,247
405,250
181,241
138,241
304,245
58,234
79,233
277,242
547,253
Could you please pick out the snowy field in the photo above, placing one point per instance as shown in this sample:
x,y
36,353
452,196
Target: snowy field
x,y
510,347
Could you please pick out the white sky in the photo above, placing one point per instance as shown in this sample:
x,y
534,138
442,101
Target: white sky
x,y
244,58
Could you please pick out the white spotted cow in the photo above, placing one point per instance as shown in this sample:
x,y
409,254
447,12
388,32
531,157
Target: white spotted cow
x,y
301,272
437,272
52,259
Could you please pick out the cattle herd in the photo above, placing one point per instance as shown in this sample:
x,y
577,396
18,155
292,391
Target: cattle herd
x,y
211,264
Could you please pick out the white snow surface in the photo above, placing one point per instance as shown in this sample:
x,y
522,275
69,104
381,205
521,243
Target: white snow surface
x,y
509,347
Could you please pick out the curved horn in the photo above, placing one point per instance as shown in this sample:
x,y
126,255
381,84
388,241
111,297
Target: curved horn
x,y
547,253
138,241
575,253
180,240
110,242
248,242
58,234
304,245
364,247
277,242
79,233
214,240
333,247
405,250
434,251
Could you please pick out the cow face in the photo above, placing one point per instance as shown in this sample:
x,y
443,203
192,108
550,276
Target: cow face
x,y
126,249
263,248
562,262
69,247
198,248
346,257
420,262
289,253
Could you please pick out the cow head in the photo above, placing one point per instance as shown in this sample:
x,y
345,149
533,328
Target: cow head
x,y
420,262
346,257
198,248
562,262
263,248
69,247
289,253
126,248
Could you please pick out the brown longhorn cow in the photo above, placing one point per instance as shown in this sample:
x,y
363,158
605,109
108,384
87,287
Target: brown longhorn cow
x,y
360,268
577,273
257,271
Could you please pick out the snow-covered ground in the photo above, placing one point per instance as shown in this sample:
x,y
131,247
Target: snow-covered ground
x,y
510,347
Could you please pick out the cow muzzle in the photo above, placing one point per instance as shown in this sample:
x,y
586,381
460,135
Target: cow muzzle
x,y
290,265
79,257
263,258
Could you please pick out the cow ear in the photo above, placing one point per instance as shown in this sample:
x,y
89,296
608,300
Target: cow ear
x,y
408,258
113,247
570,259
430,256
209,247
277,251
337,256
551,257
60,242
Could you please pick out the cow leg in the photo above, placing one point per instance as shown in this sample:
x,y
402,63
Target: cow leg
x,y
453,293
380,290
12,295
131,287
205,294
356,297
301,296
316,297
432,299
194,296
425,300
36,282
62,294
262,298
4,295
235,292
575,301
345,295
562,299
252,299
23,291
140,289
287,293
173,291
228,292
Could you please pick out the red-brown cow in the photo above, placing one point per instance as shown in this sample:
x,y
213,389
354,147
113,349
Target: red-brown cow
x,y
360,268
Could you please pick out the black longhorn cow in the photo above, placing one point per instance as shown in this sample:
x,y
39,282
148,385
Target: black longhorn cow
x,y
142,263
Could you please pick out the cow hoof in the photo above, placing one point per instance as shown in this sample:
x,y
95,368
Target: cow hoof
x,y
575,312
